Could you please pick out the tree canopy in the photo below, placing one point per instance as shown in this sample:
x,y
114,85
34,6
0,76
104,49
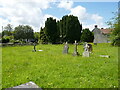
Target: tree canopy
x,y
23,32
70,28
87,35
51,30
115,25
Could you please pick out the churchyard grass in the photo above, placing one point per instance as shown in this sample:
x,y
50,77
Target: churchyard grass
x,y
51,68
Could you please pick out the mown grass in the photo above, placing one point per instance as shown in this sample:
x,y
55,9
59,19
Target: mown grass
x,y
52,69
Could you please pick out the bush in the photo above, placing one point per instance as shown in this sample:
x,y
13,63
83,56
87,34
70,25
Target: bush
x,y
5,40
116,41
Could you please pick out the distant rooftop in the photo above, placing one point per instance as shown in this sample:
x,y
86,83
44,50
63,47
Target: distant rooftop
x,y
106,31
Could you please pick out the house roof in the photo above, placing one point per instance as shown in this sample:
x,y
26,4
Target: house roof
x,y
106,31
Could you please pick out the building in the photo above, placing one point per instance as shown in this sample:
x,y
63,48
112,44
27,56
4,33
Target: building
x,y
101,35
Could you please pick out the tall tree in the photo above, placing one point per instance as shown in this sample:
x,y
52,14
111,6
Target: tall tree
x,y
43,38
51,30
87,35
70,28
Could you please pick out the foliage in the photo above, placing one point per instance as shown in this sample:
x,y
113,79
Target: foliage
x,y
36,36
115,25
87,36
5,40
23,32
9,28
70,29
43,38
52,69
51,30
6,33
116,35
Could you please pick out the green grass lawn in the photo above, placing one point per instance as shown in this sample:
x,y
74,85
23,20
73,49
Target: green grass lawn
x,y
52,69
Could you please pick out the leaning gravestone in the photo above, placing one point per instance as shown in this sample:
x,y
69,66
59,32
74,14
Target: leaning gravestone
x,y
75,49
86,52
23,86
66,48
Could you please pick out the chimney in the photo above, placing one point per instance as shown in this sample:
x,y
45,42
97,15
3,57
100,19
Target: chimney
x,y
95,26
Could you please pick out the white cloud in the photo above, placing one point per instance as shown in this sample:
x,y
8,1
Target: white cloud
x,y
24,12
98,19
30,12
65,4
85,17
80,12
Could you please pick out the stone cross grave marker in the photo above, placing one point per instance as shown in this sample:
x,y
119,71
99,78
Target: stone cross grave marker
x,y
66,48
75,49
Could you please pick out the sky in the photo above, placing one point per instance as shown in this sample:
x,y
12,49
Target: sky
x,y
35,12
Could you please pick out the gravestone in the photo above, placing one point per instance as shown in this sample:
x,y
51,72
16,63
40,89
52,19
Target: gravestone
x,y
34,49
86,52
26,85
87,47
66,48
75,49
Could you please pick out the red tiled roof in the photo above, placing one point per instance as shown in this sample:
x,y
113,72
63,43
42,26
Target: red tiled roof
x,y
106,31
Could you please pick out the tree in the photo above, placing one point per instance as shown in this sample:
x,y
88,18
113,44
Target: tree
x,y
70,28
87,36
23,32
43,38
51,30
9,27
6,33
7,30
37,36
115,25
19,33
28,32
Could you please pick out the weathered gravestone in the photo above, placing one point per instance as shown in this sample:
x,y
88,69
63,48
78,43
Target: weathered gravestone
x,y
31,85
34,49
86,52
87,47
66,48
75,49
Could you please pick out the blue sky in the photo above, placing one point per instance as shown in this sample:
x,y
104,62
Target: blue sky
x,y
35,12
